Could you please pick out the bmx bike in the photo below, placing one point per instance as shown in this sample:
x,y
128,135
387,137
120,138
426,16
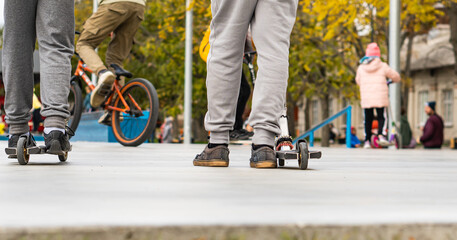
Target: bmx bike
x,y
131,109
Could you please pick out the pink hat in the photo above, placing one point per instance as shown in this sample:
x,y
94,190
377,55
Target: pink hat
x,y
373,50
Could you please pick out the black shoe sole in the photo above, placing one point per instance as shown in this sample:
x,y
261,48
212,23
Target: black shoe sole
x,y
56,148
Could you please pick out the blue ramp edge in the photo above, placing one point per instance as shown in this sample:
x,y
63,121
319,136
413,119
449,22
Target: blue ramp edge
x,y
310,133
91,131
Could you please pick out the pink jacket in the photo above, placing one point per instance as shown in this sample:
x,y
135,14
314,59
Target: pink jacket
x,y
371,79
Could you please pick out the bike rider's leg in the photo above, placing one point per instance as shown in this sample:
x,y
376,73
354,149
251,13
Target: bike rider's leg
x,y
271,28
55,34
96,29
121,43
17,60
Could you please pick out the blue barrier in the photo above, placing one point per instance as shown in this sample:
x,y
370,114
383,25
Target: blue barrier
x,y
90,130
310,133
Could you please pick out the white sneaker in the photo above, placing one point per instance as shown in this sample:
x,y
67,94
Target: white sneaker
x,y
103,88
382,140
367,144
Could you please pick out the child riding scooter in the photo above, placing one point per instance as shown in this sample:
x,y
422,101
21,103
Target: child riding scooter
x,y
374,92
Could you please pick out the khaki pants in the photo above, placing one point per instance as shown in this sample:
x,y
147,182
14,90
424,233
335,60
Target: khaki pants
x,y
120,18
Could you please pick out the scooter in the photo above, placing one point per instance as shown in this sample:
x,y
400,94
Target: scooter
x,y
285,149
394,138
22,152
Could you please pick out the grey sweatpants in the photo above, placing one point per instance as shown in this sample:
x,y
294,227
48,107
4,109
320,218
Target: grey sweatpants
x,y
271,24
53,24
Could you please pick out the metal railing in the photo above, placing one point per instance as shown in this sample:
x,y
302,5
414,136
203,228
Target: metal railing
x,y
310,133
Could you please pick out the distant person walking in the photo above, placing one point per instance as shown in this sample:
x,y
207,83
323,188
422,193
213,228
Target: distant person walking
x,y
433,130
371,77
167,130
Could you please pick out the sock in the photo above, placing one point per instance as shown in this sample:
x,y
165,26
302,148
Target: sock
x,y
255,147
212,145
26,134
47,130
102,71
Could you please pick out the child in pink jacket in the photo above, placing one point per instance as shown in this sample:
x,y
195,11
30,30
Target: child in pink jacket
x,y
371,77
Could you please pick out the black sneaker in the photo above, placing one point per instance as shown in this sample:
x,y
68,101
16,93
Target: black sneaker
x,y
12,144
263,157
240,134
57,142
213,157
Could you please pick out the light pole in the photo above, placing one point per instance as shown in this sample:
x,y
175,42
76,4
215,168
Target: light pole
x,y
94,75
188,76
394,62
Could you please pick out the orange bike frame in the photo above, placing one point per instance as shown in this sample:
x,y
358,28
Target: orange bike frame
x,y
81,72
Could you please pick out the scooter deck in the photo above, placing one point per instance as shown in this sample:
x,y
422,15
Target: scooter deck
x,y
31,150
293,154
287,155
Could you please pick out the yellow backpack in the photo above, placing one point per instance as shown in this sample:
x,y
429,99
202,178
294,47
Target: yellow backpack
x,y
204,45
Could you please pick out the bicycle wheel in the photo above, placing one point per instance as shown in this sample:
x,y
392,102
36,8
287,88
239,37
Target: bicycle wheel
x,y
137,125
75,102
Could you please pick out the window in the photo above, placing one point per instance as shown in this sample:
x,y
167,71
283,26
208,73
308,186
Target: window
x,y
422,99
315,112
448,106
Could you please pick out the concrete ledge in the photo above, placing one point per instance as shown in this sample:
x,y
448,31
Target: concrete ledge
x,y
286,232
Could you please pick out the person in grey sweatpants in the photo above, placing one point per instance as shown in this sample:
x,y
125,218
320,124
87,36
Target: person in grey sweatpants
x,y
52,24
271,23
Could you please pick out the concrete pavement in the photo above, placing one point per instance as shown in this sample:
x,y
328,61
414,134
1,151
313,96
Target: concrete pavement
x,y
155,186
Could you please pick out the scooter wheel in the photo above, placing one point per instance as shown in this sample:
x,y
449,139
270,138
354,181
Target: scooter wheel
x,y
303,155
396,141
374,141
64,157
22,156
281,162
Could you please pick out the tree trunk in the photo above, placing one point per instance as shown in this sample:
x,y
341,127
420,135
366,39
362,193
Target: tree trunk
x,y
407,82
307,119
199,131
325,114
453,25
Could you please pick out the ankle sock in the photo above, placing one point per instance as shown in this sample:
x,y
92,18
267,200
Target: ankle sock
x,y
255,147
101,72
47,130
11,135
212,145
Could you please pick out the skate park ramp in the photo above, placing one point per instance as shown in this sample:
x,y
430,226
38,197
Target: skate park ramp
x,y
106,191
